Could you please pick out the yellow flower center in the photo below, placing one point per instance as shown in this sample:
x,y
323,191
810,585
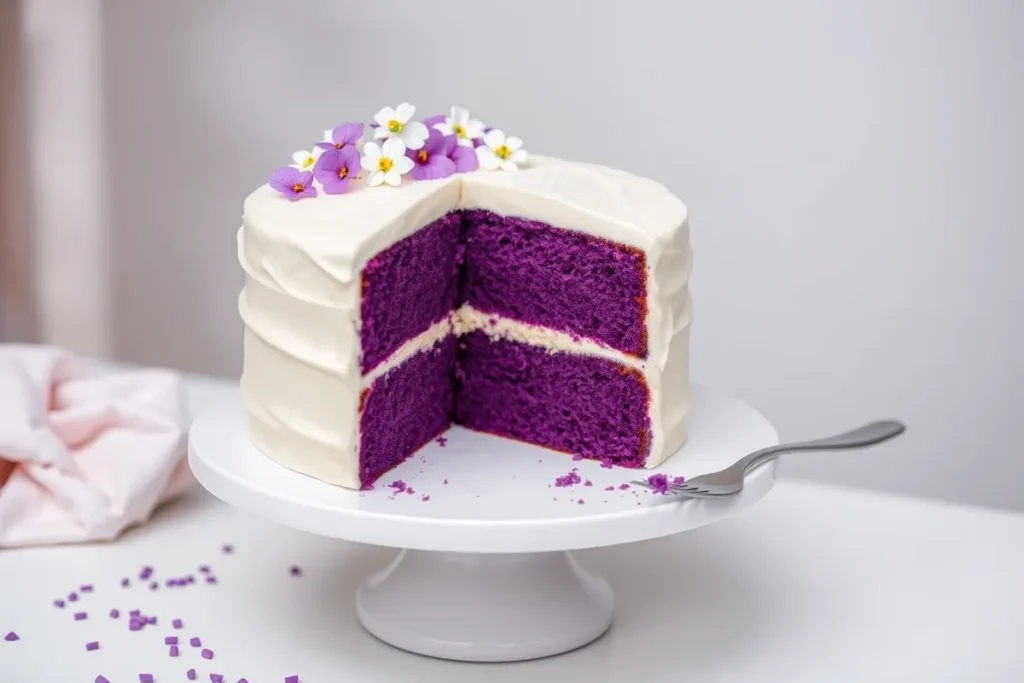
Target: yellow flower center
x,y
422,156
309,161
503,152
384,164
339,145
298,187
459,130
395,126
342,172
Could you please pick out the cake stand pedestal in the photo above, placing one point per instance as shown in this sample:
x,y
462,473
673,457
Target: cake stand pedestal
x,y
485,573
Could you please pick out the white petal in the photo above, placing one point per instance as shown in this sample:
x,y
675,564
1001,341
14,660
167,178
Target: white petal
x,y
508,166
513,143
474,129
414,134
372,150
300,157
494,138
404,112
393,148
381,132
376,179
465,142
459,115
403,164
383,116
518,156
489,161
445,128
329,135
393,178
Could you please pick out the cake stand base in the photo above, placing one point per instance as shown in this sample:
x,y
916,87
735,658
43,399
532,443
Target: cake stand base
x,y
485,607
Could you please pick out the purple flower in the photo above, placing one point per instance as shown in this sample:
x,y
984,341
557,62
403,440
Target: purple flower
x,y
343,136
430,161
464,158
293,183
431,121
335,168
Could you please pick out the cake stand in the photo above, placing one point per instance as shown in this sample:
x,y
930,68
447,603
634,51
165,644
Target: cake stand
x,y
484,528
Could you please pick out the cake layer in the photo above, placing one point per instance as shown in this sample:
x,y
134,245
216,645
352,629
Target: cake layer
x,y
408,287
547,275
577,404
405,408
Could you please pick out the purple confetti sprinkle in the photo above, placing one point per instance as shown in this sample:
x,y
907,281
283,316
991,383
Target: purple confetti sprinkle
x,y
92,646
194,641
150,620
227,548
291,679
145,573
173,651
176,623
207,653
145,678
11,637
243,680
72,597
102,679
114,614
80,615
87,588
134,626
425,498
568,480
216,678
581,501
171,640
191,673
295,570
58,603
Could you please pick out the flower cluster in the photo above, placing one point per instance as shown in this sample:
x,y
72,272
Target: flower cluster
x,y
433,148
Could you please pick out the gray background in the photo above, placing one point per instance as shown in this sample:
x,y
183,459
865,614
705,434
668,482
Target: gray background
x,y
852,171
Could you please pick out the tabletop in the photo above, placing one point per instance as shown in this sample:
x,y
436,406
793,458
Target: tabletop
x,y
815,583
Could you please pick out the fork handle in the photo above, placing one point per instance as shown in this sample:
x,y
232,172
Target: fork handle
x,y
862,437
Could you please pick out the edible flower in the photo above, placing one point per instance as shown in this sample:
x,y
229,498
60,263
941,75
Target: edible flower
x,y
431,161
293,183
465,129
500,152
305,161
397,124
343,136
386,163
336,168
464,158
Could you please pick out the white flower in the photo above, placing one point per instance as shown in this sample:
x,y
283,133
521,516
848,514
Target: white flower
x,y
396,123
305,161
459,124
386,164
501,152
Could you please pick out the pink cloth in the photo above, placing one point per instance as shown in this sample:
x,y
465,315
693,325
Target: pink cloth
x,y
84,454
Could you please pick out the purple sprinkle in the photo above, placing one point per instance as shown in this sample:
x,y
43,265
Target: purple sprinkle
x,y
216,678
211,579
87,588
204,568
171,640
291,679
150,620
102,679
145,678
191,673
92,646
295,570
11,637
134,626
72,597
134,613
154,585
659,482
581,501
145,573
173,651
58,603
194,641
243,680
207,653
227,548
568,480
125,582
114,614
176,623
80,615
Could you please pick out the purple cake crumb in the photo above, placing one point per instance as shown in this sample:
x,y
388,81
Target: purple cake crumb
x,y
194,641
72,597
92,646
295,570
11,637
204,568
568,479
445,481
578,456
623,487
146,572
425,498
607,463
145,678
114,614
207,653
80,615
171,640
176,623
58,603
659,482
150,620
154,585
398,485
101,679
442,441
227,548
173,651
581,501
216,678
87,588
678,481
609,488
125,582
588,483
191,673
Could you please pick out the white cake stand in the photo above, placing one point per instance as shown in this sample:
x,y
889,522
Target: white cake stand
x,y
485,573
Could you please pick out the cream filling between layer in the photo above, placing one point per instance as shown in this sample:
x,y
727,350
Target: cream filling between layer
x,y
467,319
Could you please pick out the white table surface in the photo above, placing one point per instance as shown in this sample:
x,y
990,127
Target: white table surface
x,y
813,585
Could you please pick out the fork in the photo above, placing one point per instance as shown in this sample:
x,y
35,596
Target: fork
x,y
729,481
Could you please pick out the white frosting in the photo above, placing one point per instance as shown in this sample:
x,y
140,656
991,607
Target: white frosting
x,y
301,379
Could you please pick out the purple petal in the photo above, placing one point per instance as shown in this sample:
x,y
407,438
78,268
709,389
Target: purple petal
x,y
436,167
435,142
332,184
283,179
450,143
348,133
465,159
432,121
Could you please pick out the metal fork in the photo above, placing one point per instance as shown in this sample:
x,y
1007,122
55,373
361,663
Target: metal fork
x,y
729,481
